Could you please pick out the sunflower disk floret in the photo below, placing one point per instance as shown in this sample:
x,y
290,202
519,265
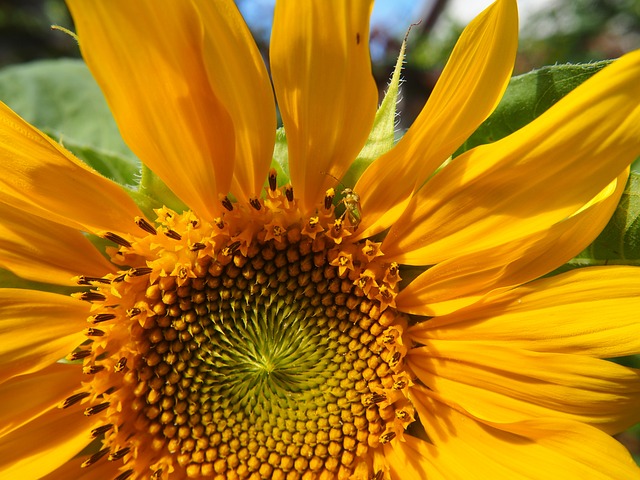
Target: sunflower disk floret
x,y
259,345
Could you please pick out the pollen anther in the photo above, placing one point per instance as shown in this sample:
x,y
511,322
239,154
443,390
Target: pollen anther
x,y
94,458
73,399
145,225
173,234
94,332
117,239
273,184
89,411
288,193
90,296
96,432
226,203
84,280
119,454
119,366
79,355
255,203
102,317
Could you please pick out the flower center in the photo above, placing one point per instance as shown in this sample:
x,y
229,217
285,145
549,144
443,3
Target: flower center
x,y
256,346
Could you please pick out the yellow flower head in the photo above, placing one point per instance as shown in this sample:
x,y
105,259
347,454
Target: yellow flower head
x,y
265,331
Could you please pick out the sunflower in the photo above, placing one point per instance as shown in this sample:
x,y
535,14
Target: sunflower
x,y
265,330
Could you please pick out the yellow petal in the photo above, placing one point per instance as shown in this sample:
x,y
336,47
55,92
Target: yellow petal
x,y
590,311
326,93
530,450
531,179
462,280
43,445
468,90
43,251
71,470
41,177
37,329
414,458
154,78
501,384
26,397
238,76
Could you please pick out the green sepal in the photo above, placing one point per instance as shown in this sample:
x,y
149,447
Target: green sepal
x,y
280,160
153,193
382,136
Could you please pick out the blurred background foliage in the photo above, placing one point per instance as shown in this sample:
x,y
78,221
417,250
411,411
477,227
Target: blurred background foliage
x,y
551,32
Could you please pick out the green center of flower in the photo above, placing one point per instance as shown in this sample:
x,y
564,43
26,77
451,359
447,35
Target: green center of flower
x,y
225,355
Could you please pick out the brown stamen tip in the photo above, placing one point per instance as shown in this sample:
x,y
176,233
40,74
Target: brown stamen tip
x,y
173,235
218,222
226,203
116,239
231,249
288,192
108,391
328,199
96,432
94,458
399,385
94,332
377,476
374,399
73,399
118,367
90,296
96,409
84,280
273,177
79,354
395,359
146,226
387,437
379,397
140,271
197,246
157,474
92,369
119,454
255,203
132,312
124,476
119,278
102,317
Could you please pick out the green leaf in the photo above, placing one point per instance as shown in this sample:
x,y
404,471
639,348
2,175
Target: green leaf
x,y
527,97
110,165
61,98
619,242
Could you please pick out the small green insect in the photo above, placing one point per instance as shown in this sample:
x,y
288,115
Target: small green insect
x,y
351,202
352,208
